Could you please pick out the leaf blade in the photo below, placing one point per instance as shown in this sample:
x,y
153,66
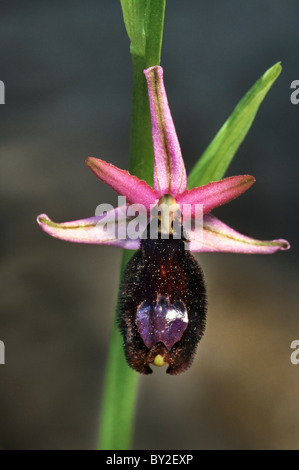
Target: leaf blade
x,y
134,16
215,160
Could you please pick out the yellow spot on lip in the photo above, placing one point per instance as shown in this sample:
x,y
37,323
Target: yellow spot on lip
x,y
159,361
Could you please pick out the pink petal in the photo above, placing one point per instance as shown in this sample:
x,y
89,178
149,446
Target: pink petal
x,y
215,194
135,190
219,237
169,169
86,231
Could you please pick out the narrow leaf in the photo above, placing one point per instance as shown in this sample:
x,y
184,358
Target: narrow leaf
x,y
154,31
134,19
215,160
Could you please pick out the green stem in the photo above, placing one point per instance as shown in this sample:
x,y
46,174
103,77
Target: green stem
x,y
120,392
154,31
119,399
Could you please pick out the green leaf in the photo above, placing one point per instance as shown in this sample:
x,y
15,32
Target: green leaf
x,y
154,22
134,18
215,160
144,20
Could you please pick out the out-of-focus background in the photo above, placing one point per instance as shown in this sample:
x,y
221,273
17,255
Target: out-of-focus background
x,y
68,78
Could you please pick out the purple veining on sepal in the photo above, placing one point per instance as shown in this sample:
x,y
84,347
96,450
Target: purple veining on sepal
x,y
169,168
161,322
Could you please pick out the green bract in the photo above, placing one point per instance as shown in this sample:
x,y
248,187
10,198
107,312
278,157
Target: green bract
x,y
216,158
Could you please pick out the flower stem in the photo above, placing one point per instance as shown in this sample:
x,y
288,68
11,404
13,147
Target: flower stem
x,y
120,392
144,20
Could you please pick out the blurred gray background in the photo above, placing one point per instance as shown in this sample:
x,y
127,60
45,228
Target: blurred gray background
x,y
68,77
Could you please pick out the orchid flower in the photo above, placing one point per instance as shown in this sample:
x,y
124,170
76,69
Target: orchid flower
x,y
162,305
169,178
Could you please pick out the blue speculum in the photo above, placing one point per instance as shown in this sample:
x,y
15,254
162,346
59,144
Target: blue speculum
x,y
161,321
162,305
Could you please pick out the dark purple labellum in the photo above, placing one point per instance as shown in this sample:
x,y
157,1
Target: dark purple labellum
x,y
162,306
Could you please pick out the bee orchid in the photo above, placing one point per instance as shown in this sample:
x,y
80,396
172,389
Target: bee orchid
x,y
162,299
169,178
